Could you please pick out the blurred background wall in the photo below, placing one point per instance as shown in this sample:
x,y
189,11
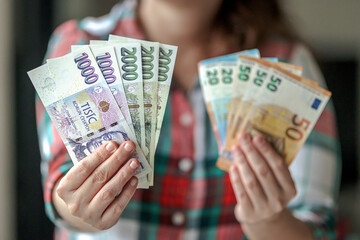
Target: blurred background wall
x,y
32,25
7,129
331,27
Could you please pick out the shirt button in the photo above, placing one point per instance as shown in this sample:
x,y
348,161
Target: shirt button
x,y
185,164
178,218
186,119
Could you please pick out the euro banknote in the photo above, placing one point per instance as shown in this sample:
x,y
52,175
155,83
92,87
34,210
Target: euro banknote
x,y
267,98
218,76
284,112
259,72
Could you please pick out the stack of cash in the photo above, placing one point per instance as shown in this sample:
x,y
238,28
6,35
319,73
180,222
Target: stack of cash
x,y
109,90
245,93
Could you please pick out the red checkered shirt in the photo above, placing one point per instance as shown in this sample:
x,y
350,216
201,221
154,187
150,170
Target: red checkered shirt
x,y
191,198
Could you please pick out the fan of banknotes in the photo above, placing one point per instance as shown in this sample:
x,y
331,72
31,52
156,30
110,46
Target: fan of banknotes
x,y
109,90
245,93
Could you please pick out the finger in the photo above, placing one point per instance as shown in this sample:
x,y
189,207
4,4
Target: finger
x,y
82,170
249,150
239,190
277,164
113,212
261,168
112,188
106,170
250,183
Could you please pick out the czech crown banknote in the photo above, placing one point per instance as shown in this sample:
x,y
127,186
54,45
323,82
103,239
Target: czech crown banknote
x,y
106,91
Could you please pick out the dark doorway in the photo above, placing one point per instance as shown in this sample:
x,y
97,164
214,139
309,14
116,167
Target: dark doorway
x,y
32,26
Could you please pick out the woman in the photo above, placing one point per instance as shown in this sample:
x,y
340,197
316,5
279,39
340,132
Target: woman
x,y
191,198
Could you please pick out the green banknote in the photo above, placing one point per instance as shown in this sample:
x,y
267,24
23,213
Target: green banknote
x,y
150,66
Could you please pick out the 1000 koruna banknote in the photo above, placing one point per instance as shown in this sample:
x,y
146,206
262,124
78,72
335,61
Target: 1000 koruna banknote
x,y
106,59
135,92
128,56
167,56
81,105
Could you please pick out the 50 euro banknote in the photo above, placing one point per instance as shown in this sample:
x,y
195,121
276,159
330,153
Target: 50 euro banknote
x,y
284,112
260,71
81,105
253,73
245,66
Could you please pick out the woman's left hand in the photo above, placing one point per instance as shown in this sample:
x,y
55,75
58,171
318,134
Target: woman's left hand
x,y
261,181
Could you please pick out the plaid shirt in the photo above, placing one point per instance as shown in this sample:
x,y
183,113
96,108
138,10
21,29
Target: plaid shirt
x,y
191,198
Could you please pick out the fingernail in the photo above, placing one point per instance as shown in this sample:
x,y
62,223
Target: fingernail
x,y
133,182
261,140
238,158
133,165
128,147
245,138
110,146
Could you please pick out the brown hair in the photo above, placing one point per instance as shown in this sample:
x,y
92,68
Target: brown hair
x,y
251,22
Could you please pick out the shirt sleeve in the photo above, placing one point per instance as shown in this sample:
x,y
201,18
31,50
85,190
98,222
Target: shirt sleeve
x,y
316,170
55,161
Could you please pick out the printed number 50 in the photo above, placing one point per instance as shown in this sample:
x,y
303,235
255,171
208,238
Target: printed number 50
x,y
295,133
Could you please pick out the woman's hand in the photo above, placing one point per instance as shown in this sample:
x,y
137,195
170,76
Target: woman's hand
x,y
93,194
261,181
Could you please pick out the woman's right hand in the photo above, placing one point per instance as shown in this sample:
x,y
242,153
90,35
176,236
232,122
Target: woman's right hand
x,y
94,193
